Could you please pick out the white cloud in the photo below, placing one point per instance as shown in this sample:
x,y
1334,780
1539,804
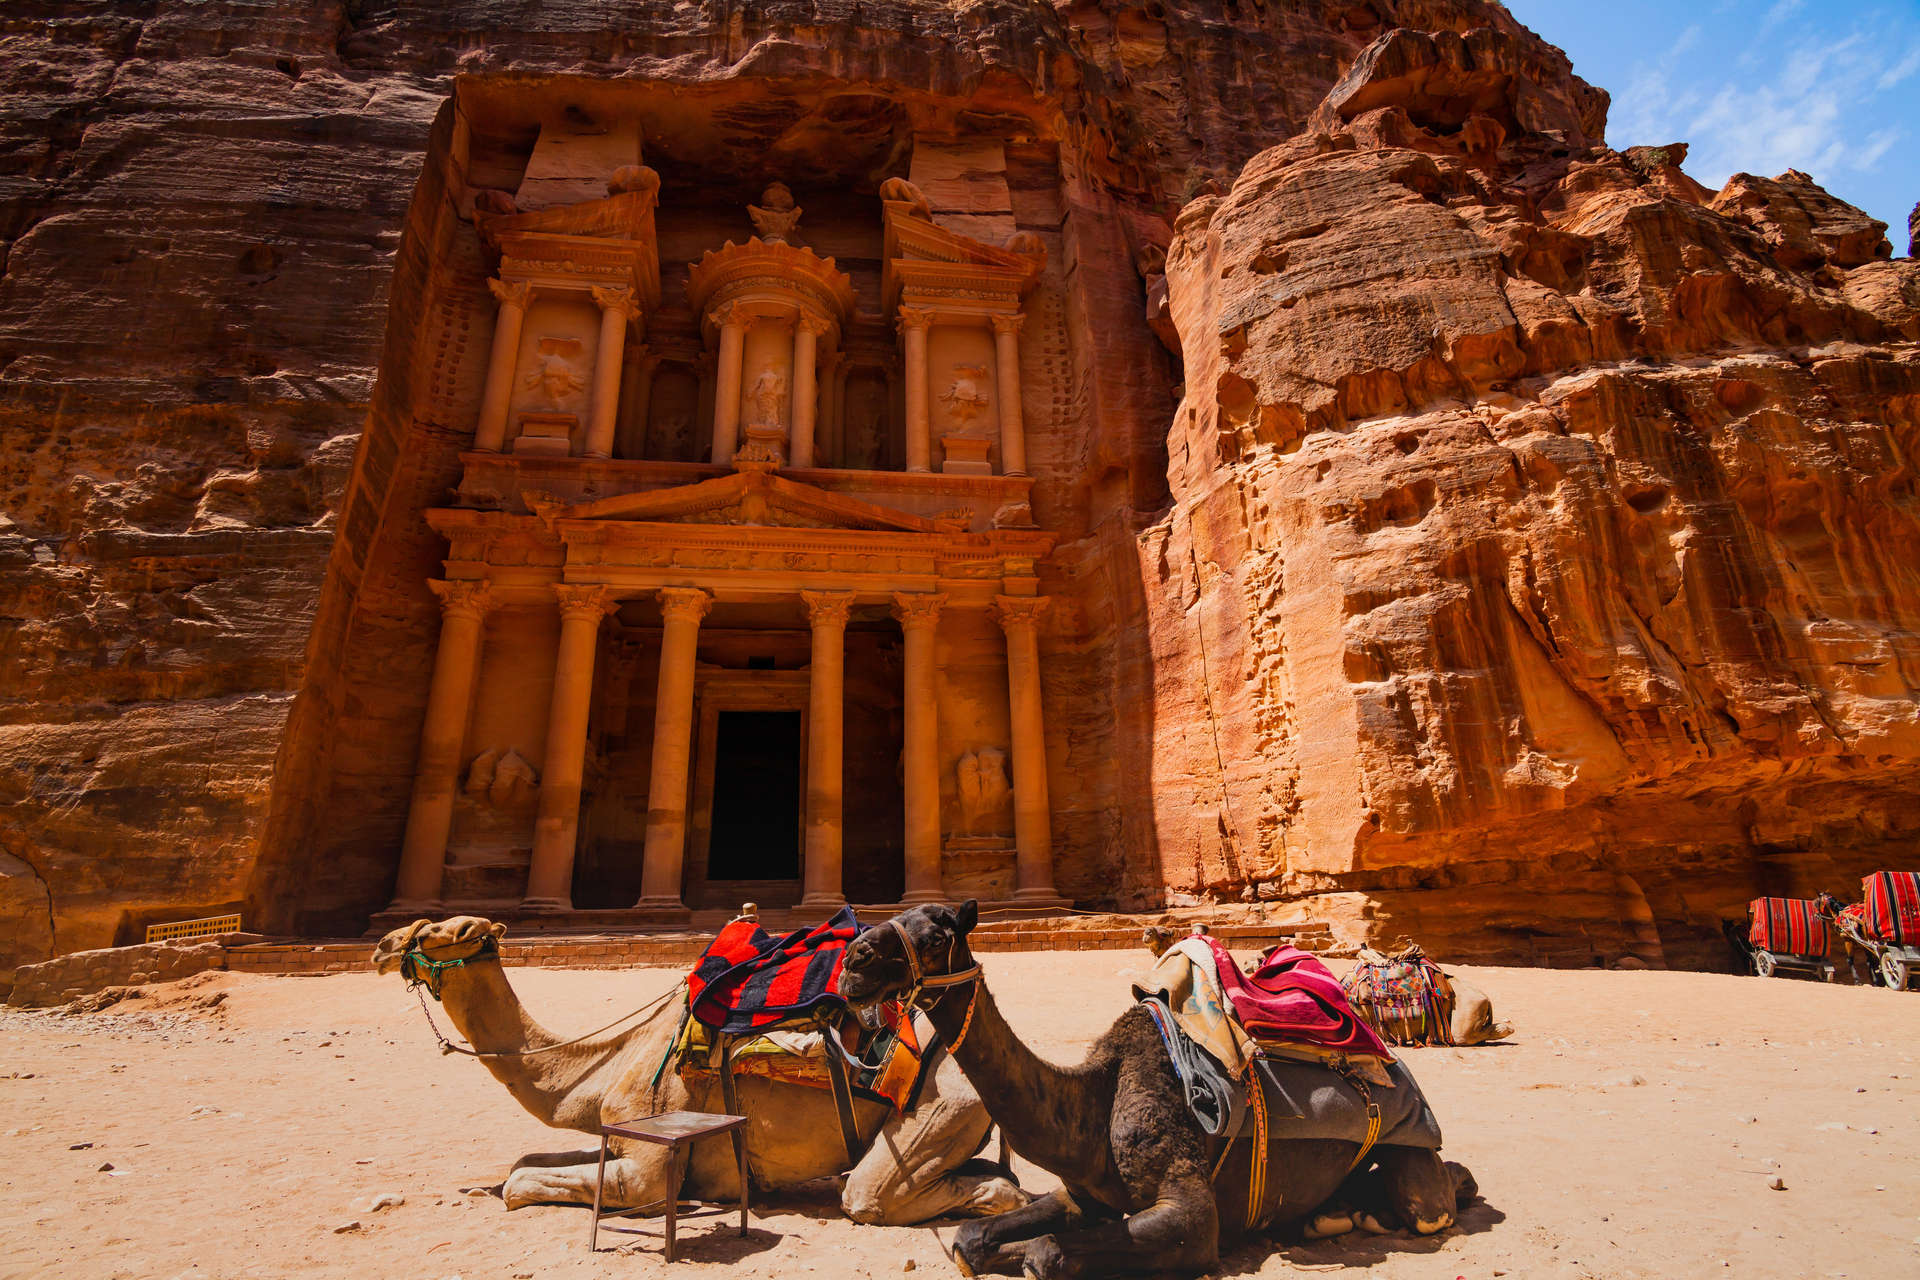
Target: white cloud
x,y
1899,71
1787,101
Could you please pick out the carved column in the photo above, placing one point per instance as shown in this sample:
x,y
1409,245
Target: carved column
x,y
1006,364
832,447
681,609
617,307
634,443
556,828
919,615
436,776
1019,617
726,383
806,388
490,434
914,324
827,611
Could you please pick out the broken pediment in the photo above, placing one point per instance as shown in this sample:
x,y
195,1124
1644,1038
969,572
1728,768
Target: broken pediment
x,y
923,257
747,498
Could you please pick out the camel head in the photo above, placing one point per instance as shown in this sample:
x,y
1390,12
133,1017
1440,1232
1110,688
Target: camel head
x,y
878,966
450,941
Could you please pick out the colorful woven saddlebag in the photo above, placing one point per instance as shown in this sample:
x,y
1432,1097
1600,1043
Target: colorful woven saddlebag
x,y
1893,906
1787,926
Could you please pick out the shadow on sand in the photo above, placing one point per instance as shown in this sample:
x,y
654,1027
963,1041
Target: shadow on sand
x,y
1356,1248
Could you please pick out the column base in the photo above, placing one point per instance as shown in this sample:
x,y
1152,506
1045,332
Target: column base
x,y
914,897
822,902
420,907
662,910
541,906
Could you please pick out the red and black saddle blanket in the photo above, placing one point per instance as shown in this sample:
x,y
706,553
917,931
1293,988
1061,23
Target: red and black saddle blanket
x,y
747,980
1788,927
1893,906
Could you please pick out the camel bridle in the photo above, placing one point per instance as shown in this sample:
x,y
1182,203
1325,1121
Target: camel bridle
x,y
422,970
942,984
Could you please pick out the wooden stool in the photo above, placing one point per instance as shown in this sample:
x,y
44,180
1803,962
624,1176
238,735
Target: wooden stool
x,y
673,1130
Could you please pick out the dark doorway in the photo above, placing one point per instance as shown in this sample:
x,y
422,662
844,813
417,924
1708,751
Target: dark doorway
x,y
756,797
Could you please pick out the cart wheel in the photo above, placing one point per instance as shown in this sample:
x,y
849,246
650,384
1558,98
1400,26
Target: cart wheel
x,y
1763,963
1893,971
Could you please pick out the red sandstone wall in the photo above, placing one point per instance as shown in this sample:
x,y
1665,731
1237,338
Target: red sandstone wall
x,y
1538,549
1529,522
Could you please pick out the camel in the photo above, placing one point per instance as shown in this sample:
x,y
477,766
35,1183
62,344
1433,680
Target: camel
x,y
1140,1191
1466,1008
1471,1010
912,1167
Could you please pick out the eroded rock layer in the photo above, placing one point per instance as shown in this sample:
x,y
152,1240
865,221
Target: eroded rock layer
x,y
1529,547
1540,529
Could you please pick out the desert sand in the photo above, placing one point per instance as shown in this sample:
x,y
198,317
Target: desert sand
x,y
1632,1128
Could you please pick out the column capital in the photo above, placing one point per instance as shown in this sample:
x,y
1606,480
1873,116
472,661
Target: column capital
x,y
1019,611
828,608
918,608
585,600
511,293
818,326
915,318
462,597
1008,324
731,315
621,300
691,603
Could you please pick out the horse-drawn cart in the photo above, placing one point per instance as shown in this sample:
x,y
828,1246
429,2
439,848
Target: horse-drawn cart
x,y
1788,934
1887,925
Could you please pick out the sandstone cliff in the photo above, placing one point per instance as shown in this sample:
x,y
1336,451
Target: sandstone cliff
x,y
1540,528
1532,519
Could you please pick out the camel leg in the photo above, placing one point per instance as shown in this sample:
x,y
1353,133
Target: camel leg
x,y
919,1166
983,1245
1179,1232
631,1180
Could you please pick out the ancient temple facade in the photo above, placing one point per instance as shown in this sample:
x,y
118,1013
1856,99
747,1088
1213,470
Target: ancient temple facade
x,y
740,596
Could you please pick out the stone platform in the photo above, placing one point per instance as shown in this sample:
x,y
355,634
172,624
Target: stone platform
x,y
82,973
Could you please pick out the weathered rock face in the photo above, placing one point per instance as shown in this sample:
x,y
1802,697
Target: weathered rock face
x,y
1538,522
1534,543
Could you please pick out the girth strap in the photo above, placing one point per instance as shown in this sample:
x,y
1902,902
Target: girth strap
x,y
842,1099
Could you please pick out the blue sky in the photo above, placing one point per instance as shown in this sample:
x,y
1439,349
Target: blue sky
x,y
1759,86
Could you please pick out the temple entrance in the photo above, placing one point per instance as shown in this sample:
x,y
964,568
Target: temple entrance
x,y
756,799
749,776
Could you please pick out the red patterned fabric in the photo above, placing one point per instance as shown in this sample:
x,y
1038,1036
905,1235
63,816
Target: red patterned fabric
x,y
1893,906
748,980
1787,926
1293,996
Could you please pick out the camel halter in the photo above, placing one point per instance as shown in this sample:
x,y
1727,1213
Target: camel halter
x,y
421,970
919,981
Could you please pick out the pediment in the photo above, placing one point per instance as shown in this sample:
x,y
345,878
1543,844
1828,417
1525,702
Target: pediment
x,y
747,498
925,255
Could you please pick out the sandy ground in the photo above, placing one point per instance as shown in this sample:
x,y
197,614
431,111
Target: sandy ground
x,y
1631,1129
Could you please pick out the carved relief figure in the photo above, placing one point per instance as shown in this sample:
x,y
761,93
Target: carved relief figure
x,y
553,373
768,396
504,779
776,216
983,788
967,395
901,190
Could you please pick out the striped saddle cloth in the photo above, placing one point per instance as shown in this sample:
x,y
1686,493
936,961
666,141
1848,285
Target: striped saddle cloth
x,y
1787,926
1893,906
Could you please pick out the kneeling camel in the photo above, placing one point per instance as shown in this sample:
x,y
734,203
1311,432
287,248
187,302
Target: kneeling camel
x,y
912,1167
1139,1188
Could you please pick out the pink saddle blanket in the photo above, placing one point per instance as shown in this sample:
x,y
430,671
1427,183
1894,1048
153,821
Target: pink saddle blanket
x,y
1292,996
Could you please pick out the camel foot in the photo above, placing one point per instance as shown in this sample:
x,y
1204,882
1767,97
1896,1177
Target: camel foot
x,y
1372,1225
960,1262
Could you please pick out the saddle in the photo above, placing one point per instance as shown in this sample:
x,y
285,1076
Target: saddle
x,y
771,1006
1404,997
1893,906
